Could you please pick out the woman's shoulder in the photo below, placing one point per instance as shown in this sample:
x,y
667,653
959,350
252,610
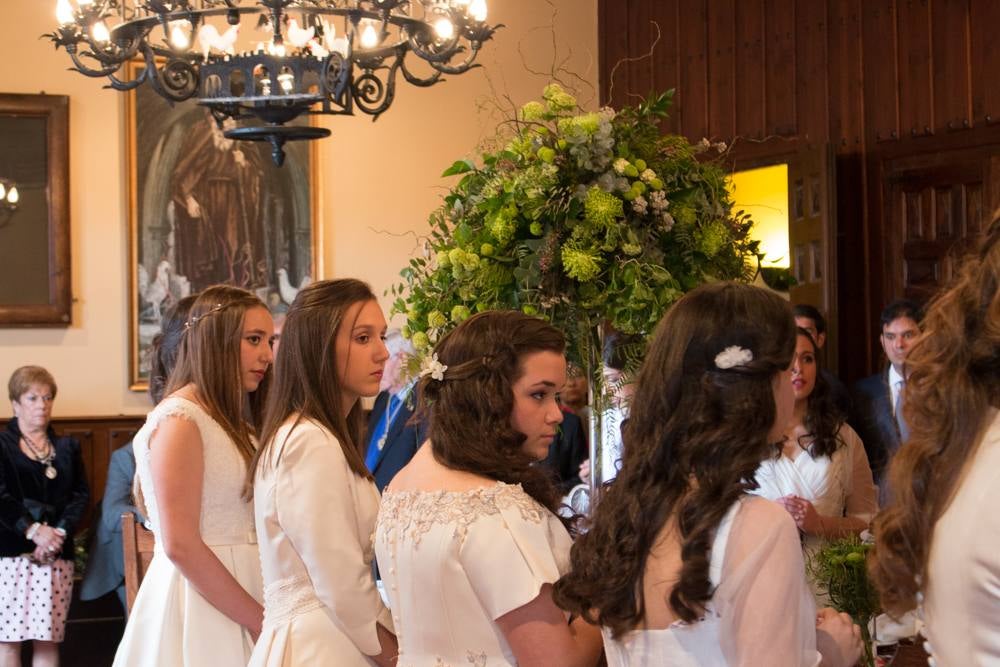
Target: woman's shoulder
x,y
300,434
762,517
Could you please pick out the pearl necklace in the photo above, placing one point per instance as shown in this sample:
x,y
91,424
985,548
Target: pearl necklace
x,y
46,460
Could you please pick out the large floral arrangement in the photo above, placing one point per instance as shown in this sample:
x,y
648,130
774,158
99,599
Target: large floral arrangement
x,y
583,218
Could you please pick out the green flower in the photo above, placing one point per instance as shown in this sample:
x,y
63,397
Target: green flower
x,y
557,98
536,228
640,164
443,260
632,249
546,154
501,225
421,341
631,171
487,250
436,319
712,238
580,264
601,208
528,309
459,314
533,111
455,256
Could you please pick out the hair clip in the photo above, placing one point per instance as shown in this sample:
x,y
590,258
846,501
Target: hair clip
x,y
431,366
733,356
197,318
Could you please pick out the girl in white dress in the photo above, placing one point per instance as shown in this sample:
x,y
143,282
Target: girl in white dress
x,y
468,542
199,602
315,502
680,566
936,542
821,474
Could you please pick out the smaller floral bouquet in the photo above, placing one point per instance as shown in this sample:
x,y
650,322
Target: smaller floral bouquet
x,y
839,570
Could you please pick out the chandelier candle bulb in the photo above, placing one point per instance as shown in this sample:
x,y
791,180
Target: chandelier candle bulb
x,y
13,196
328,73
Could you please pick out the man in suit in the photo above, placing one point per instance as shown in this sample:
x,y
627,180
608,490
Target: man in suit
x,y
106,565
878,399
392,439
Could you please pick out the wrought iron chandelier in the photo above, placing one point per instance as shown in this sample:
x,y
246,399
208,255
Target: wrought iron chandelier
x,y
9,198
310,56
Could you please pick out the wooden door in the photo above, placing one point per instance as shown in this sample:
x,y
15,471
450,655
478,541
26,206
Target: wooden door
x,y
812,234
937,206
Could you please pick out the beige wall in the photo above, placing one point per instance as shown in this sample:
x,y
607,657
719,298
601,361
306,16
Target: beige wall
x,y
378,181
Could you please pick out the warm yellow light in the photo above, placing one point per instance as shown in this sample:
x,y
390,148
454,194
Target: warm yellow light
x,y
369,38
84,3
287,82
477,10
3,192
100,32
64,12
763,193
13,196
444,28
179,36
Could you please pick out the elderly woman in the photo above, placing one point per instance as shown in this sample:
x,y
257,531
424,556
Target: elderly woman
x,y
43,494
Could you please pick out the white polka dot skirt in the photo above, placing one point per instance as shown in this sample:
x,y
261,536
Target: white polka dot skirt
x,y
34,599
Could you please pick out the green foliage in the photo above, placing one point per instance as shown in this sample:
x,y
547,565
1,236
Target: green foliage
x,y
839,570
582,218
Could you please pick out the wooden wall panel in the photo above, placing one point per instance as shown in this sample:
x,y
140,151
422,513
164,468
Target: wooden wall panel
x,y
749,83
722,69
877,79
951,82
779,67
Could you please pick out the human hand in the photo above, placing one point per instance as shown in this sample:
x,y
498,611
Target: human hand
x,y
838,638
585,472
804,512
193,209
41,556
48,538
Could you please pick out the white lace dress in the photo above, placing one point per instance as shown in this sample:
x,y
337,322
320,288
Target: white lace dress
x,y
454,562
962,597
315,519
171,624
761,612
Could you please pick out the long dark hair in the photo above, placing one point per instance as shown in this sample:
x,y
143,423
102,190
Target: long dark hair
x,y
166,345
306,380
823,418
209,358
954,381
698,429
469,411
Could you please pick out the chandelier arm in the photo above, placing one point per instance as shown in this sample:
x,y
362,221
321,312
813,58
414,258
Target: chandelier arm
x,y
413,79
368,90
177,80
118,84
86,70
461,68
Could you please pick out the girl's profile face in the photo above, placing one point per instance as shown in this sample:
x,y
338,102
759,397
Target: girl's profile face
x,y
536,412
360,351
255,347
803,368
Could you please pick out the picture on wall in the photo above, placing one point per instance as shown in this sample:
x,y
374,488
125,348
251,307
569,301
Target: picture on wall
x,y
35,272
205,210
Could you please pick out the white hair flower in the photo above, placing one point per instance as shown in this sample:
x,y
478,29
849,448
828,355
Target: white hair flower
x,y
733,356
431,366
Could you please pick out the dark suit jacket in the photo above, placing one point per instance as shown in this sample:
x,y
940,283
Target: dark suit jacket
x,y
401,442
568,451
873,419
106,565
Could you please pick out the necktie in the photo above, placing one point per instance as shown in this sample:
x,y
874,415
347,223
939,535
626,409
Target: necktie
x,y
377,442
904,429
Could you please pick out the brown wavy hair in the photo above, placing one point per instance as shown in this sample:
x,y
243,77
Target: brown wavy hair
x,y
209,358
693,441
468,414
306,373
823,418
954,380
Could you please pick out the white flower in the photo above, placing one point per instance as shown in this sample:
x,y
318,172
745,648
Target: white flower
x,y
639,205
704,143
431,366
732,356
658,200
668,222
620,165
647,175
721,146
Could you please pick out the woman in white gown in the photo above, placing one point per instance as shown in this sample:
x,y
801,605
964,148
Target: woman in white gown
x,y
315,502
199,603
936,542
821,475
467,540
680,566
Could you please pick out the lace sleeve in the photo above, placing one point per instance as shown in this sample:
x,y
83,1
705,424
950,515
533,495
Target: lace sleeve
x,y
767,612
509,557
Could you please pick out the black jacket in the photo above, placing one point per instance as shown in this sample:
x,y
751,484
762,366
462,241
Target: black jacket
x,y
59,502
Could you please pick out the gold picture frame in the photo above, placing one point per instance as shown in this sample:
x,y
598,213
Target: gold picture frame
x,y
206,210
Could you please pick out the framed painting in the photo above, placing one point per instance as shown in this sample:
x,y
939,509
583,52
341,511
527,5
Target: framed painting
x,y
35,287
205,210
